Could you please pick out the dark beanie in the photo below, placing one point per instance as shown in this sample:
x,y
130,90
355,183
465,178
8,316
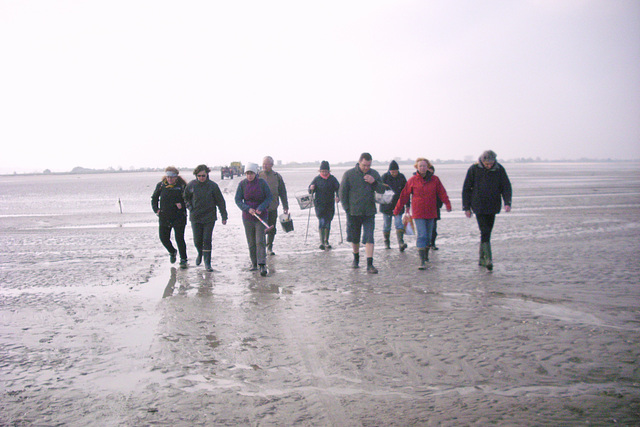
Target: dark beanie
x,y
324,165
393,166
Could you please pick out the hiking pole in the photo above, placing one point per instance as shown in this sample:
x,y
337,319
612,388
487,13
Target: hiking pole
x,y
339,224
269,227
308,220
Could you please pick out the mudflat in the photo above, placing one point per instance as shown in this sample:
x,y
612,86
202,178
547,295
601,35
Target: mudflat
x,y
98,328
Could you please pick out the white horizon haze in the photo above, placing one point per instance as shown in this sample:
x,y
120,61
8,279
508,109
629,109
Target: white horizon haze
x,y
139,84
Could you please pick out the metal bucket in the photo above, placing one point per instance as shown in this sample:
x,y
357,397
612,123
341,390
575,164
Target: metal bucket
x,y
286,222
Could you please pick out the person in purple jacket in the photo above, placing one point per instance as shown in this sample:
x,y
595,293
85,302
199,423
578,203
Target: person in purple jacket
x,y
253,198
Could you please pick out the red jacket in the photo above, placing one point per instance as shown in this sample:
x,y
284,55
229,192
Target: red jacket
x,y
424,196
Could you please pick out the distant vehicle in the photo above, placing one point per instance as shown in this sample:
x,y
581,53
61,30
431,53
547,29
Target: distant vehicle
x,y
234,169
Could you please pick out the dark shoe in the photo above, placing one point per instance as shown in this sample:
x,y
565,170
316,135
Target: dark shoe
x,y
322,247
263,270
199,259
371,269
434,247
183,263
401,244
253,267
327,245
356,261
172,257
270,250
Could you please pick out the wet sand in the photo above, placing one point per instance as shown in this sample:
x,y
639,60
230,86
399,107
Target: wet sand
x,y
97,327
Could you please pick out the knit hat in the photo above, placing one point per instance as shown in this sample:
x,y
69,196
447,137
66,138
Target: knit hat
x,y
324,166
251,167
393,166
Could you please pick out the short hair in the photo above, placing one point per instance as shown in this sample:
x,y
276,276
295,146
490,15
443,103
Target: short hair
x,y
365,156
489,156
201,168
268,159
422,159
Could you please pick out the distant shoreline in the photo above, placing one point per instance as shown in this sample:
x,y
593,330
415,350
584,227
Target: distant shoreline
x,y
88,171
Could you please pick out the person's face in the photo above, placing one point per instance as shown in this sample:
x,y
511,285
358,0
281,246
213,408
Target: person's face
x,y
267,165
365,165
250,175
172,180
488,163
324,173
423,168
202,176
394,173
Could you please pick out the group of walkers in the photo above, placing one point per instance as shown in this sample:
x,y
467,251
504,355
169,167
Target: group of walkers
x,y
259,195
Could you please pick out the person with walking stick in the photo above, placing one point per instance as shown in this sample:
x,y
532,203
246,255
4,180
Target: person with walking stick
x,y
253,197
324,189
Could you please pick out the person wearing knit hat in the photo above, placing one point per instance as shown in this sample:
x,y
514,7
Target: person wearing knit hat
x,y
168,203
485,187
324,188
396,181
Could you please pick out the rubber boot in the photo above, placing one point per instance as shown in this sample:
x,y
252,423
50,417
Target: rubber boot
x,y
487,256
270,238
327,231
321,232
423,261
263,270
401,244
254,261
387,239
199,258
481,260
207,260
370,268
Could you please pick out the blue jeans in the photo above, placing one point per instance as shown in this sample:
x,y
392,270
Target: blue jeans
x,y
397,221
424,229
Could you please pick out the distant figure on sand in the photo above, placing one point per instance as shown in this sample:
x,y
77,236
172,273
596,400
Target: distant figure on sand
x,y
358,200
324,188
396,181
253,197
279,193
484,188
203,196
423,188
168,203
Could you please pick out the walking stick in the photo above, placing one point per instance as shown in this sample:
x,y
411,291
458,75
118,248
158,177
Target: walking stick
x,y
308,219
339,224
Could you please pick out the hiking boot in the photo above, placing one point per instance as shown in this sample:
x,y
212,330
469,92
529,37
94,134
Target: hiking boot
x,y
371,269
356,261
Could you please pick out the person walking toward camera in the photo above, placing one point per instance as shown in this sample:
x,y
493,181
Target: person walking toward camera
x,y
423,188
396,181
168,203
485,187
358,200
279,193
203,197
253,197
324,188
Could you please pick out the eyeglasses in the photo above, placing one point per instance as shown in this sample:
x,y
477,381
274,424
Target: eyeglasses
x,y
201,176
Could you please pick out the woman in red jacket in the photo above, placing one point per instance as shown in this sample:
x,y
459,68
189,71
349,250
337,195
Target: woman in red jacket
x,y
423,188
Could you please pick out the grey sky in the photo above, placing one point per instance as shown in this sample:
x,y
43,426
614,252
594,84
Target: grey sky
x,y
152,83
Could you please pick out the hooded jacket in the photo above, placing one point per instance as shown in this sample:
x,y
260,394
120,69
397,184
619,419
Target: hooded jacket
x,y
396,184
483,189
424,194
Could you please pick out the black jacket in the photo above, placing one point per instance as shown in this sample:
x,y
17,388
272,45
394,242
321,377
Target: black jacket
x,y
396,184
202,200
164,202
483,188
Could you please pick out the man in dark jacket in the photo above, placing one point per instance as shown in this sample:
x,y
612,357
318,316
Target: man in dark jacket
x,y
485,185
357,196
396,181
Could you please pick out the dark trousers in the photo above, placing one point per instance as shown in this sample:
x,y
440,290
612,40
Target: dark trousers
x,y
434,233
202,235
254,231
272,220
485,223
164,232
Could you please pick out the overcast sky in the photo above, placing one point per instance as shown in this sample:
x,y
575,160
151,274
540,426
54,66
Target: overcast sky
x,y
129,83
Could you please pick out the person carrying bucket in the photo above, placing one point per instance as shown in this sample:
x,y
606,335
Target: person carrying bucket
x,y
279,194
324,188
253,197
